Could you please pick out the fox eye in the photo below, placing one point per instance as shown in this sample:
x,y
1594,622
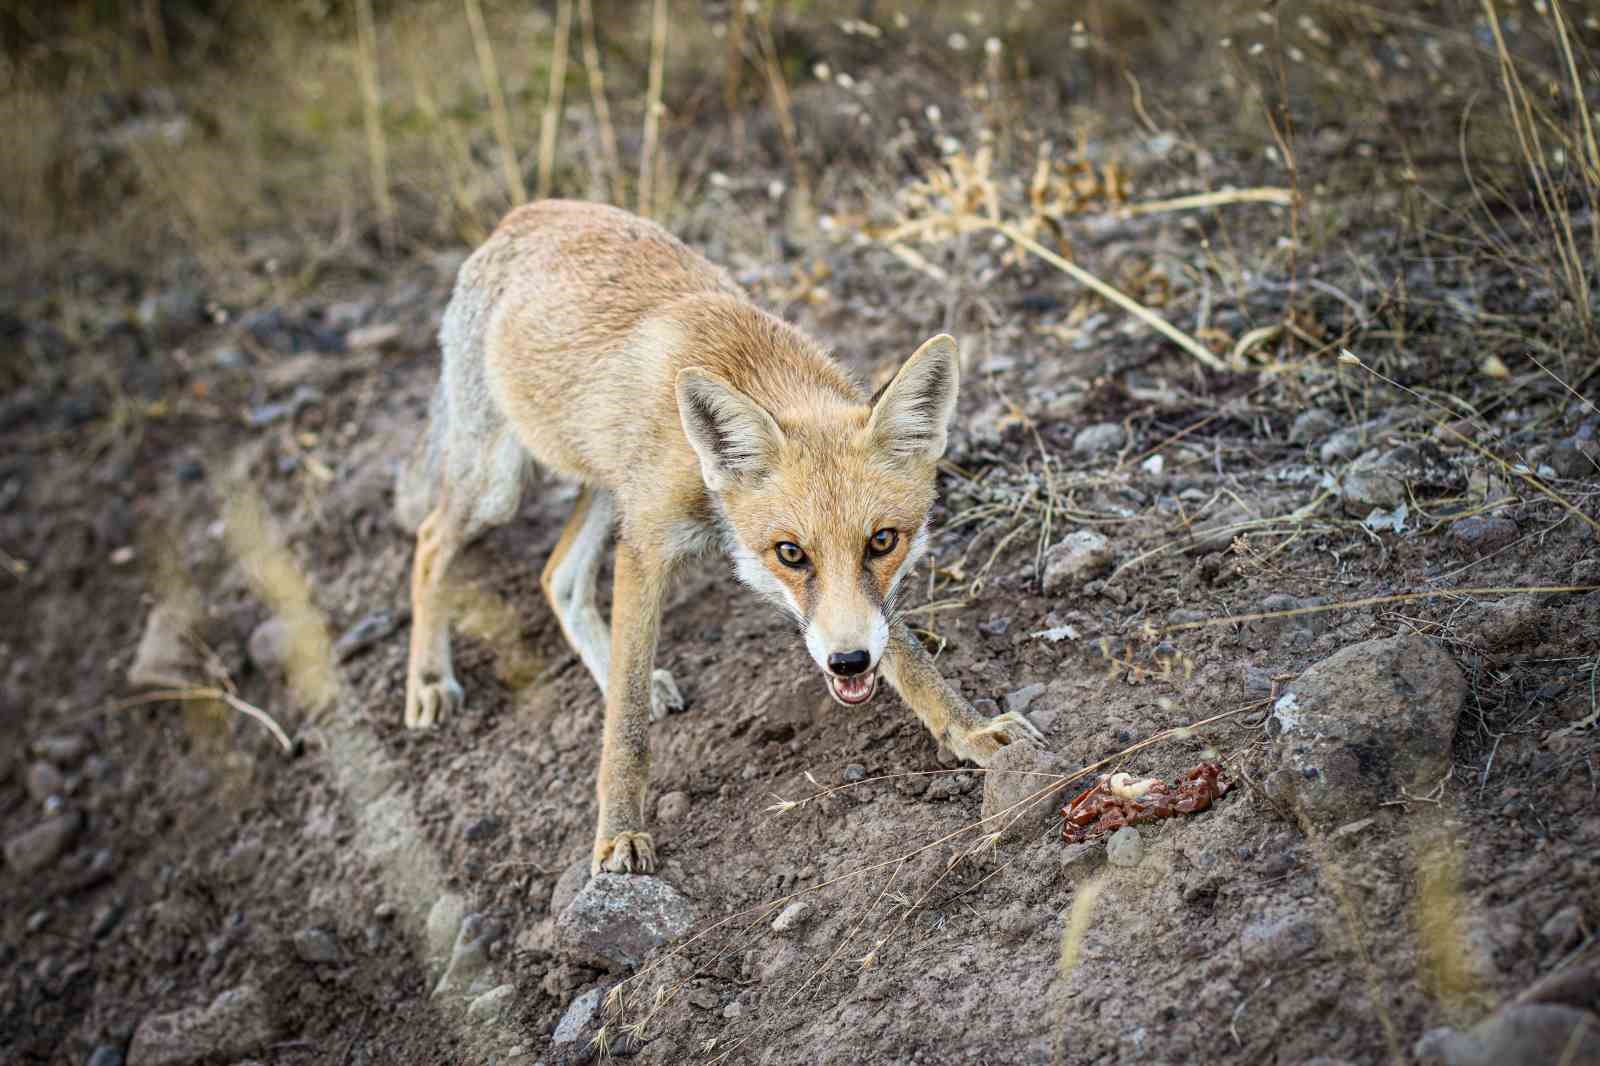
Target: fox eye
x,y
883,541
791,554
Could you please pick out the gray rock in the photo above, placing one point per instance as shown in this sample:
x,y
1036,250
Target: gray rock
x,y
580,1015
1312,426
165,657
791,917
33,849
1023,698
1295,631
65,750
1080,556
1101,437
1125,847
241,862
269,646
1363,724
1530,1034
102,866
616,920
106,1055
107,918
1513,620
237,1023
1562,930
1044,718
1367,487
672,807
369,630
568,885
469,959
444,922
1272,942
170,314
996,626
1350,442
1575,459
491,1004
1483,534
1010,782
43,780
853,774
316,945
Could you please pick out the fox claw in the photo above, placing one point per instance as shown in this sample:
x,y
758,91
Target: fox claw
x,y
625,853
428,702
979,745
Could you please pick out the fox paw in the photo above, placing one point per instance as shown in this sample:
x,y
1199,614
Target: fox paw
x,y
625,853
980,745
428,701
665,698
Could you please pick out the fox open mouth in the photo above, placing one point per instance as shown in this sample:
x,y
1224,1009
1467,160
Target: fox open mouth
x,y
851,691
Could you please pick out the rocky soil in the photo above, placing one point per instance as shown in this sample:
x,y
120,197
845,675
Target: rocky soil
x,y
1378,610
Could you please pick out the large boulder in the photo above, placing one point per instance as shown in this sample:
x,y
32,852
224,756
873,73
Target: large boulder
x,y
1367,724
616,920
237,1023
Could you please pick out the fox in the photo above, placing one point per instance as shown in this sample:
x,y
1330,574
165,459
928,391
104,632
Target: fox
x,y
592,344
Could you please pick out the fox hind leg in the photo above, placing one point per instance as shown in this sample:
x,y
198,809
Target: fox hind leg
x,y
475,495
570,585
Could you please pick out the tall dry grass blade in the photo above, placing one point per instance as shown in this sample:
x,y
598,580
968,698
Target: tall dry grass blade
x,y
453,153
783,110
278,580
372,116
602,109
550,124
156,29
1447,970
732,71
652,108
1116,296
1266,194
497,102
1573,271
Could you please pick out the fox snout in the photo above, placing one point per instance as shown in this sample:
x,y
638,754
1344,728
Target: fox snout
x,y
849,655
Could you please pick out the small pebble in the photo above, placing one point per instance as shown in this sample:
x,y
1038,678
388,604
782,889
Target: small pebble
x,y
1125,847
316,945
791,917
65,749
43,781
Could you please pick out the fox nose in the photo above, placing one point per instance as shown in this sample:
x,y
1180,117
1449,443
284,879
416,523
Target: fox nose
x,y
849,663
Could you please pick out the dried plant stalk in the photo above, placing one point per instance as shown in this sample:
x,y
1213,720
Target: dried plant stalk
x,y
550,124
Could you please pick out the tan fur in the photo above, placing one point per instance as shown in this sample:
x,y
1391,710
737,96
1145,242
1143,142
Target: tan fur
x,y
597,345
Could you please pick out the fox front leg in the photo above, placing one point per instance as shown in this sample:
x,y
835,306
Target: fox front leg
x,y
622,844
950,718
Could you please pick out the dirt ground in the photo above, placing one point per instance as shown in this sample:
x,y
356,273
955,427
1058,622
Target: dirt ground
x,y
214,479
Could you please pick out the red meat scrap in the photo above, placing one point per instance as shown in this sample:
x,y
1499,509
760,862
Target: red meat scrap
x,y
1117,800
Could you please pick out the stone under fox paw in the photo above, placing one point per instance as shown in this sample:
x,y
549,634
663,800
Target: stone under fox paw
x,y
430,699
979,745
625,853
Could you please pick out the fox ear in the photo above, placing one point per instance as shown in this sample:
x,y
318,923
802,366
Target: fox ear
x,y
732,434
912,414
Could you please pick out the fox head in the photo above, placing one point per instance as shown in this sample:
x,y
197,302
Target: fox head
x,y
825,503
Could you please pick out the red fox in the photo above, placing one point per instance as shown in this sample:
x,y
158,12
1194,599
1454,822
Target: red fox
x,y
597,345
